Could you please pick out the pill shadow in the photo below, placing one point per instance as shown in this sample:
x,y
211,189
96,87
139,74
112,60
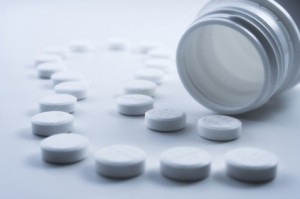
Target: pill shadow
x,y
36,161
46,84
189,128
89,174
30,66
116,113
221,177
91,98
113,112
219,142
155,176
31,112
80,111
26,134
32,74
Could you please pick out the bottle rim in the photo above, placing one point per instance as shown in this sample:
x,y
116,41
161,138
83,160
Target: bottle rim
x,y
281,33
267,57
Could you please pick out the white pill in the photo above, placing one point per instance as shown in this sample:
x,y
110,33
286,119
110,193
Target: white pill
x,y
120,161
153,75
142,87
165,119
158,63
251,165
64,148
52,122
76,89
145,47
46,70
219,128
47,58
118,44
66,76
58,102
159,53
81,46
59,51
134,104
185,164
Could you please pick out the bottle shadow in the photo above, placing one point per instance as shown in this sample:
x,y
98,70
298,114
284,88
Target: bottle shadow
x,y
276,106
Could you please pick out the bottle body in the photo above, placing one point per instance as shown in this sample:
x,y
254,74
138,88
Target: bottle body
x,y
237,54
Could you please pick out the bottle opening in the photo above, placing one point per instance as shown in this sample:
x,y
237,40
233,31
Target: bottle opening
x,y
223,64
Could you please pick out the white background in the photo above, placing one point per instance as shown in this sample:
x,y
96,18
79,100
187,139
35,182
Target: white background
x,y
28,27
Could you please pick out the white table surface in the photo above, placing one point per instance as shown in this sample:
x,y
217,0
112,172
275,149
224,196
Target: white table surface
x,y
28,27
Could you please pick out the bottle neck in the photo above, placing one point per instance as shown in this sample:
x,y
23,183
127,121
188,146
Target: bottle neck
x,y
292,8
267,28
278,21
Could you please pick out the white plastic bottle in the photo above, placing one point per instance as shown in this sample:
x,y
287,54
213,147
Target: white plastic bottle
x,y
237,54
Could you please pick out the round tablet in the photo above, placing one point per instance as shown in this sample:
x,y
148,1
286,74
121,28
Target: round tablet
x,y
219,128
76,89
117,44
46,70
134,104
145,47
158,63
120,161
251,165
47,58
153,75
185,164
52,122
64,148
58,102
159,53
66,76
59,51
81,46
165,119
142,87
